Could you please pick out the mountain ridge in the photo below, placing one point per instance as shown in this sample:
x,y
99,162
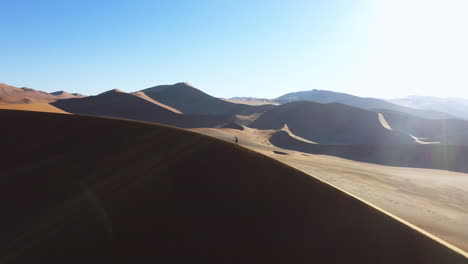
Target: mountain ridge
x,y
368,103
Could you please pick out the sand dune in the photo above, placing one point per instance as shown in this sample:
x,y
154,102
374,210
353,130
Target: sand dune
x,y
431,199
66,95
417,140
431,156
42,107
246,120
189,100
457,107
445,131
325,97
13,95
286,129
423,140
330,124
144,96
384,122
118,104
127,192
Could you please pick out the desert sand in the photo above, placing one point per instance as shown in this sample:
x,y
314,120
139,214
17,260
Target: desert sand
x,y
128,192
147,98
14,95
190,100
434,200
384,122
118,104
40,107
330,124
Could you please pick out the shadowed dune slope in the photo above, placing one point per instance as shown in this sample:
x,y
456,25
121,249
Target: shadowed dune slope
x,y
115,103
233,126
96,190
437,156
446,131
118,104
144,96
330,124
190,100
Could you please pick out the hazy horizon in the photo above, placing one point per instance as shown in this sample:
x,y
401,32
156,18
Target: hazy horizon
x,y
382,49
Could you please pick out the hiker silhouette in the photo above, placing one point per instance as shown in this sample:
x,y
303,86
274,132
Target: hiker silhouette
x,y
236,140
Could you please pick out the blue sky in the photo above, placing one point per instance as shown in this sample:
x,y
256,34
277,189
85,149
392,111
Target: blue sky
x,y
379,48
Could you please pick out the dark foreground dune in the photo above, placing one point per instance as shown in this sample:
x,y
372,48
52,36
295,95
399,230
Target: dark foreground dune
x,y
431,156
92,190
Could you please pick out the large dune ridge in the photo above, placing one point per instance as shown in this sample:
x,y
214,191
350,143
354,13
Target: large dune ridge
x,y
330,124
13,95
99,190
191,100
431,199
118,104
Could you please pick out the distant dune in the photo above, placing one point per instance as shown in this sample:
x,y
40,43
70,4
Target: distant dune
x,y
189,100
96,190
251,101
34,107
118,104
66,95
330,124
325,97
454,106
14,95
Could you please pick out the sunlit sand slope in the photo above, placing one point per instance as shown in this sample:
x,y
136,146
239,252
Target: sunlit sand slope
x,y
96,190
433,200
44,107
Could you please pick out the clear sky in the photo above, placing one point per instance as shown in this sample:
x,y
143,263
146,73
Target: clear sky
x,y
263,48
